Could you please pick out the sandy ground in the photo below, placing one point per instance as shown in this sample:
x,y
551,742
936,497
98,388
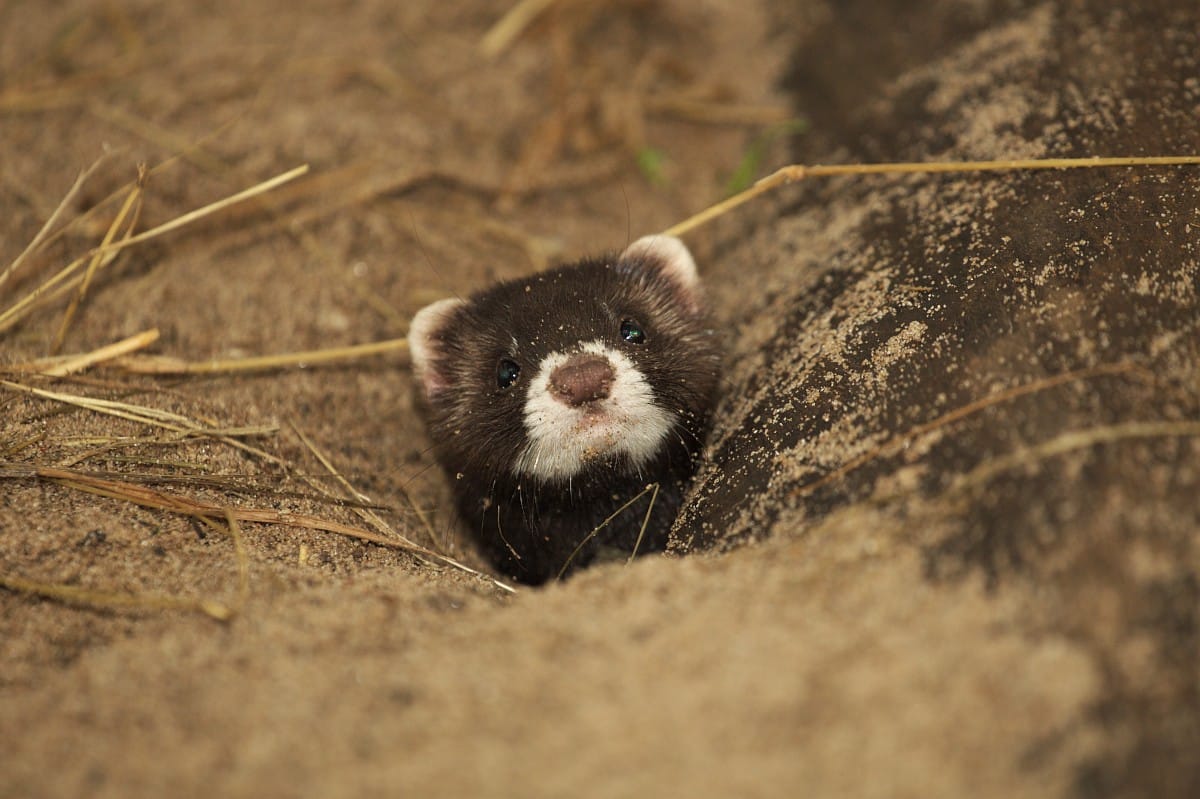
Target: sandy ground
x,y
817,659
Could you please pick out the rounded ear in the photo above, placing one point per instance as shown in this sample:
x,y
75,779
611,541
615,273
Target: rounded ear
x,y
673,260
425,343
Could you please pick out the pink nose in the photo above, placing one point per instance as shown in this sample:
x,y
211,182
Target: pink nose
x,y
582,379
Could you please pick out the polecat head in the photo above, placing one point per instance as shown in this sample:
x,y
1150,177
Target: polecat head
x,y
600,364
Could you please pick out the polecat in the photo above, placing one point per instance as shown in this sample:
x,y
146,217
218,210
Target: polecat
x,y
557,398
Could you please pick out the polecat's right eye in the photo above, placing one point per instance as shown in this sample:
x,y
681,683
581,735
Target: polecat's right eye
x,y
632,332
506,373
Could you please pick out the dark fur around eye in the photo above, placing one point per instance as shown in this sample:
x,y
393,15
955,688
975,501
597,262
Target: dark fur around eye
x,y
632,332
507,372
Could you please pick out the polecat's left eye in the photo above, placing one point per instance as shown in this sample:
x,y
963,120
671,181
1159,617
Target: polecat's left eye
x,y
632,332
506,373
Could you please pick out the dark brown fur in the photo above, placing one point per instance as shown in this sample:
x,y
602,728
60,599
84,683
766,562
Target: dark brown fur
x,y
531,528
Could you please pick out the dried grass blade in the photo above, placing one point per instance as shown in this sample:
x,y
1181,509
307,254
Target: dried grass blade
x,y
645,523
212,208
511,25
91,598
795,172
153,365
383,527
19,309
652,487
154,417
1071,441
123,410
52,221
150,498
102,257
957,414
69,364
243,558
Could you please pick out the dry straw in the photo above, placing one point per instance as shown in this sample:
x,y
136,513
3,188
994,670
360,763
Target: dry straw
x,y
65,279
797,172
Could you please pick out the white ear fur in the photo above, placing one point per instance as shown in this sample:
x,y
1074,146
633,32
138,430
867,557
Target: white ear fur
x,y
674,259
422,343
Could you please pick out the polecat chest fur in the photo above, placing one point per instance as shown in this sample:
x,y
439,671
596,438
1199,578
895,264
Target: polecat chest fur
x,y
553,400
